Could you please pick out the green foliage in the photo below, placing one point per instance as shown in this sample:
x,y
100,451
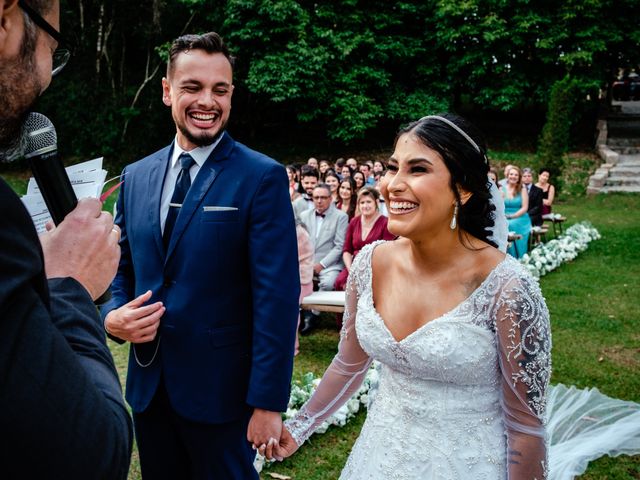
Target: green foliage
x,y
330,62
554,141
344,69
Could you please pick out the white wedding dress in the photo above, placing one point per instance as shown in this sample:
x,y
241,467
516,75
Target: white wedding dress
x,y
463,397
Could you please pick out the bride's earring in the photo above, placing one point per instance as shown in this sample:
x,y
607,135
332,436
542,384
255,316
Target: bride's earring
x,y
454,221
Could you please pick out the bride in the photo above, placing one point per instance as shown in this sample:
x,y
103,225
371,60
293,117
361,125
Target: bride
x,y
460,329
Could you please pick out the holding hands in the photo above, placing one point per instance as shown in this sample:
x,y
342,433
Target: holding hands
x,y
269,436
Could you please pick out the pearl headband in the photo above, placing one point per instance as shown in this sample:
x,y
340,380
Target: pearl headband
x,y
457,129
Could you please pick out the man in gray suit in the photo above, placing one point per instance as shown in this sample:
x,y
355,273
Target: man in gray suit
x,y
327,228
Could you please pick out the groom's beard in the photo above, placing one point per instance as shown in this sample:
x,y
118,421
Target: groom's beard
x,y
19,89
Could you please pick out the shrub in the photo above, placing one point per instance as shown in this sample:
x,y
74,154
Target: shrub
x,y
554,140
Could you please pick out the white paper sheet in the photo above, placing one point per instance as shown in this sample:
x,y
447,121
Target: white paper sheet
x,y
87,180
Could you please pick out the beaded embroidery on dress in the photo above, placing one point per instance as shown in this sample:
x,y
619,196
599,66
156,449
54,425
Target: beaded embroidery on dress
x,y
456,395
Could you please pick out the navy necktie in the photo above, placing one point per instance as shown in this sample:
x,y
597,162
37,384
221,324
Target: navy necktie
x,y
183,182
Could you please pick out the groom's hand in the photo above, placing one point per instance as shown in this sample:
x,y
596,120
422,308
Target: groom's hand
x,y
264,426
135,322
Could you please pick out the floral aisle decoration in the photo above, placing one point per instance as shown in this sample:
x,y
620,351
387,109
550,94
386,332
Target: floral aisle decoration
x,y
550,255
302,390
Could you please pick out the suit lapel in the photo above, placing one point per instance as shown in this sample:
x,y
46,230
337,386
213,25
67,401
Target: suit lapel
x,y
201,185
313,227
157,174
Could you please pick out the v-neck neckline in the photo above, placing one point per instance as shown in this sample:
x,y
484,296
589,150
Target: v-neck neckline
x,y
435,319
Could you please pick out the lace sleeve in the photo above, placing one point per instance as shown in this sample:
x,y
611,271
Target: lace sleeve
x,y
524,343
343,377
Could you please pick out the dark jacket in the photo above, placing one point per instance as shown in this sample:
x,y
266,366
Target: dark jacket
x,y
61,403
535,205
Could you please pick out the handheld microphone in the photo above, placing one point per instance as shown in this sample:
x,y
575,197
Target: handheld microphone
x,y
41,150
42,153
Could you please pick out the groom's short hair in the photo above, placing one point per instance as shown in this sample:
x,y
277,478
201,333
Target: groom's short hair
x,y
209,42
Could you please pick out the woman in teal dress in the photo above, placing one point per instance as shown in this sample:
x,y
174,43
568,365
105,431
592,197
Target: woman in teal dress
x,y
516,204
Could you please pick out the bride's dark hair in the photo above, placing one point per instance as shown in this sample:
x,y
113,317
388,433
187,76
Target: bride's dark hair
x,y
468,168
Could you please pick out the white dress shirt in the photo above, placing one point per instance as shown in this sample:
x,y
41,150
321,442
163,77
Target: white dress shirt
x,y
199,155
319,222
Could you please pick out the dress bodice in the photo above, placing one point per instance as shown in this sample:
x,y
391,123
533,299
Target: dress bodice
x,y
463,337
512,205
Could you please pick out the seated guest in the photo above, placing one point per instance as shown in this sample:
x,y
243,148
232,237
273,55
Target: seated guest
x,y
378,172
493,175
331,179
323,167
347,197
382,206
548,190
313,162
305,262
535,197
358,177
378,167
364,229
503,182
365,169
516,204
308,181
346,172
292,173
327,227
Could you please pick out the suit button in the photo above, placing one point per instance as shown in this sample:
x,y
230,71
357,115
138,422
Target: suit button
x,y
167,282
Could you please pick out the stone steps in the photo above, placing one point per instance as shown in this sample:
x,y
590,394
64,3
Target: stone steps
x,y
619,188
625,171
614,180
624,145
618,145
628,159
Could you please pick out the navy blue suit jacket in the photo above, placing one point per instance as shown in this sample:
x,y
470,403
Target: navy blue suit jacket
x,y
229,280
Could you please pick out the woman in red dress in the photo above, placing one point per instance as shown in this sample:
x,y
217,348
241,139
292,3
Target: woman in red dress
x,y
366,228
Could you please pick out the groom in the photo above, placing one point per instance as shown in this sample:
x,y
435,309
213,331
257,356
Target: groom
x,y
207,287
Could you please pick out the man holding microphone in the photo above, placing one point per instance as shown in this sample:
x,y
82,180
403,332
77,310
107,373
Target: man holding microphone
x,y
60,399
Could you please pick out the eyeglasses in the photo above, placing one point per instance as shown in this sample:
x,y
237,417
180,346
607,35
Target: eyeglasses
x,y
318,197
61,55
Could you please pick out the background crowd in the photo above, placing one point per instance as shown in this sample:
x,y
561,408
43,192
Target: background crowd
x,y
339,210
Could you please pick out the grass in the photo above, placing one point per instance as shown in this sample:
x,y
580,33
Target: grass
x,y
594,314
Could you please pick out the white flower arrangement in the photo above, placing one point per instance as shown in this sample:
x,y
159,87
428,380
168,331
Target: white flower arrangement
x,y
550,255
302,390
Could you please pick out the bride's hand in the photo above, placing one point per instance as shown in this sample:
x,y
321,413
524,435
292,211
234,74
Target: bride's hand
x,y
286,447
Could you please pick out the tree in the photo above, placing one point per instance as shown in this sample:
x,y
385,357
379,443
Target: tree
x,y
333,63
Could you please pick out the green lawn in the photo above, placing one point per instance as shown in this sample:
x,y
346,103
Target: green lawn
x,y
595,324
